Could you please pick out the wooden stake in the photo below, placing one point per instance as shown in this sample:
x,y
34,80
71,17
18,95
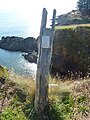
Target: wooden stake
x,y
45,53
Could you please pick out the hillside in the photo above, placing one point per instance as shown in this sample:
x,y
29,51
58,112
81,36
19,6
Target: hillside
x,y
69,100
71,18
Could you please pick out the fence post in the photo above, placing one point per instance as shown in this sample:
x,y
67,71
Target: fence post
x,y
45,52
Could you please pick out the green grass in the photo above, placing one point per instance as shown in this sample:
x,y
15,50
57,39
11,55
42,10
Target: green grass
x,y
72,26
4,72
69,100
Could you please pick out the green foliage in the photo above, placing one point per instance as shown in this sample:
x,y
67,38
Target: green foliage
x,y
10,114
64,103
81,105
14,111
58,109
21,96
84,6
15,99
81,99
29,111
62,108
4,72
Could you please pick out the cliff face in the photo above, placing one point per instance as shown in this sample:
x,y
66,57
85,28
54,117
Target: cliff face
x,y
71,50
18,43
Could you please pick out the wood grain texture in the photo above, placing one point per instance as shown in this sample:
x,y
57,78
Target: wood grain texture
x,y
42,77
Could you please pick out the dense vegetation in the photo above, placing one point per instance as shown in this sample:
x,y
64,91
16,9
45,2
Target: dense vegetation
x,y
67,100
84,7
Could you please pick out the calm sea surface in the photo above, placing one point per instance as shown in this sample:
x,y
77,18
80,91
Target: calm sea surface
x,y
11,24
15,61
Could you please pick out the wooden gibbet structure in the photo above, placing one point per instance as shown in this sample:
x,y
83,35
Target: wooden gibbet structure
x,y
44,60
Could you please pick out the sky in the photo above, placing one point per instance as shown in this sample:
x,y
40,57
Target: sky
x,y
29,12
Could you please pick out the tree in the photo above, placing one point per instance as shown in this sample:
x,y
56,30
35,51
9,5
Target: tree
x,y
84,7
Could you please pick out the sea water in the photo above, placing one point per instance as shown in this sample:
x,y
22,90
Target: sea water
x,y
16,62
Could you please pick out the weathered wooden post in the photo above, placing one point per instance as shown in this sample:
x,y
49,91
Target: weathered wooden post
x,y
45,53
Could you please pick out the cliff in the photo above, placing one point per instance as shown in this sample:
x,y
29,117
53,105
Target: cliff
x,y
71,49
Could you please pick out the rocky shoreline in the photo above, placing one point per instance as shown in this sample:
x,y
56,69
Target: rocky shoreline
x,y
27,45
30,56
18,44
70,49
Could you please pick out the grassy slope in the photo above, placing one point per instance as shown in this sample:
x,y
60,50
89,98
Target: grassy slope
x,y
67,100
15,95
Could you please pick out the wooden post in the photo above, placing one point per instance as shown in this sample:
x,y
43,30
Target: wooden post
x,y
45,52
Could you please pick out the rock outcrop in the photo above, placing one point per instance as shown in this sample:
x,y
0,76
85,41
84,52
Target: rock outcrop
x,y
71,18
31,56
71,50
18,44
